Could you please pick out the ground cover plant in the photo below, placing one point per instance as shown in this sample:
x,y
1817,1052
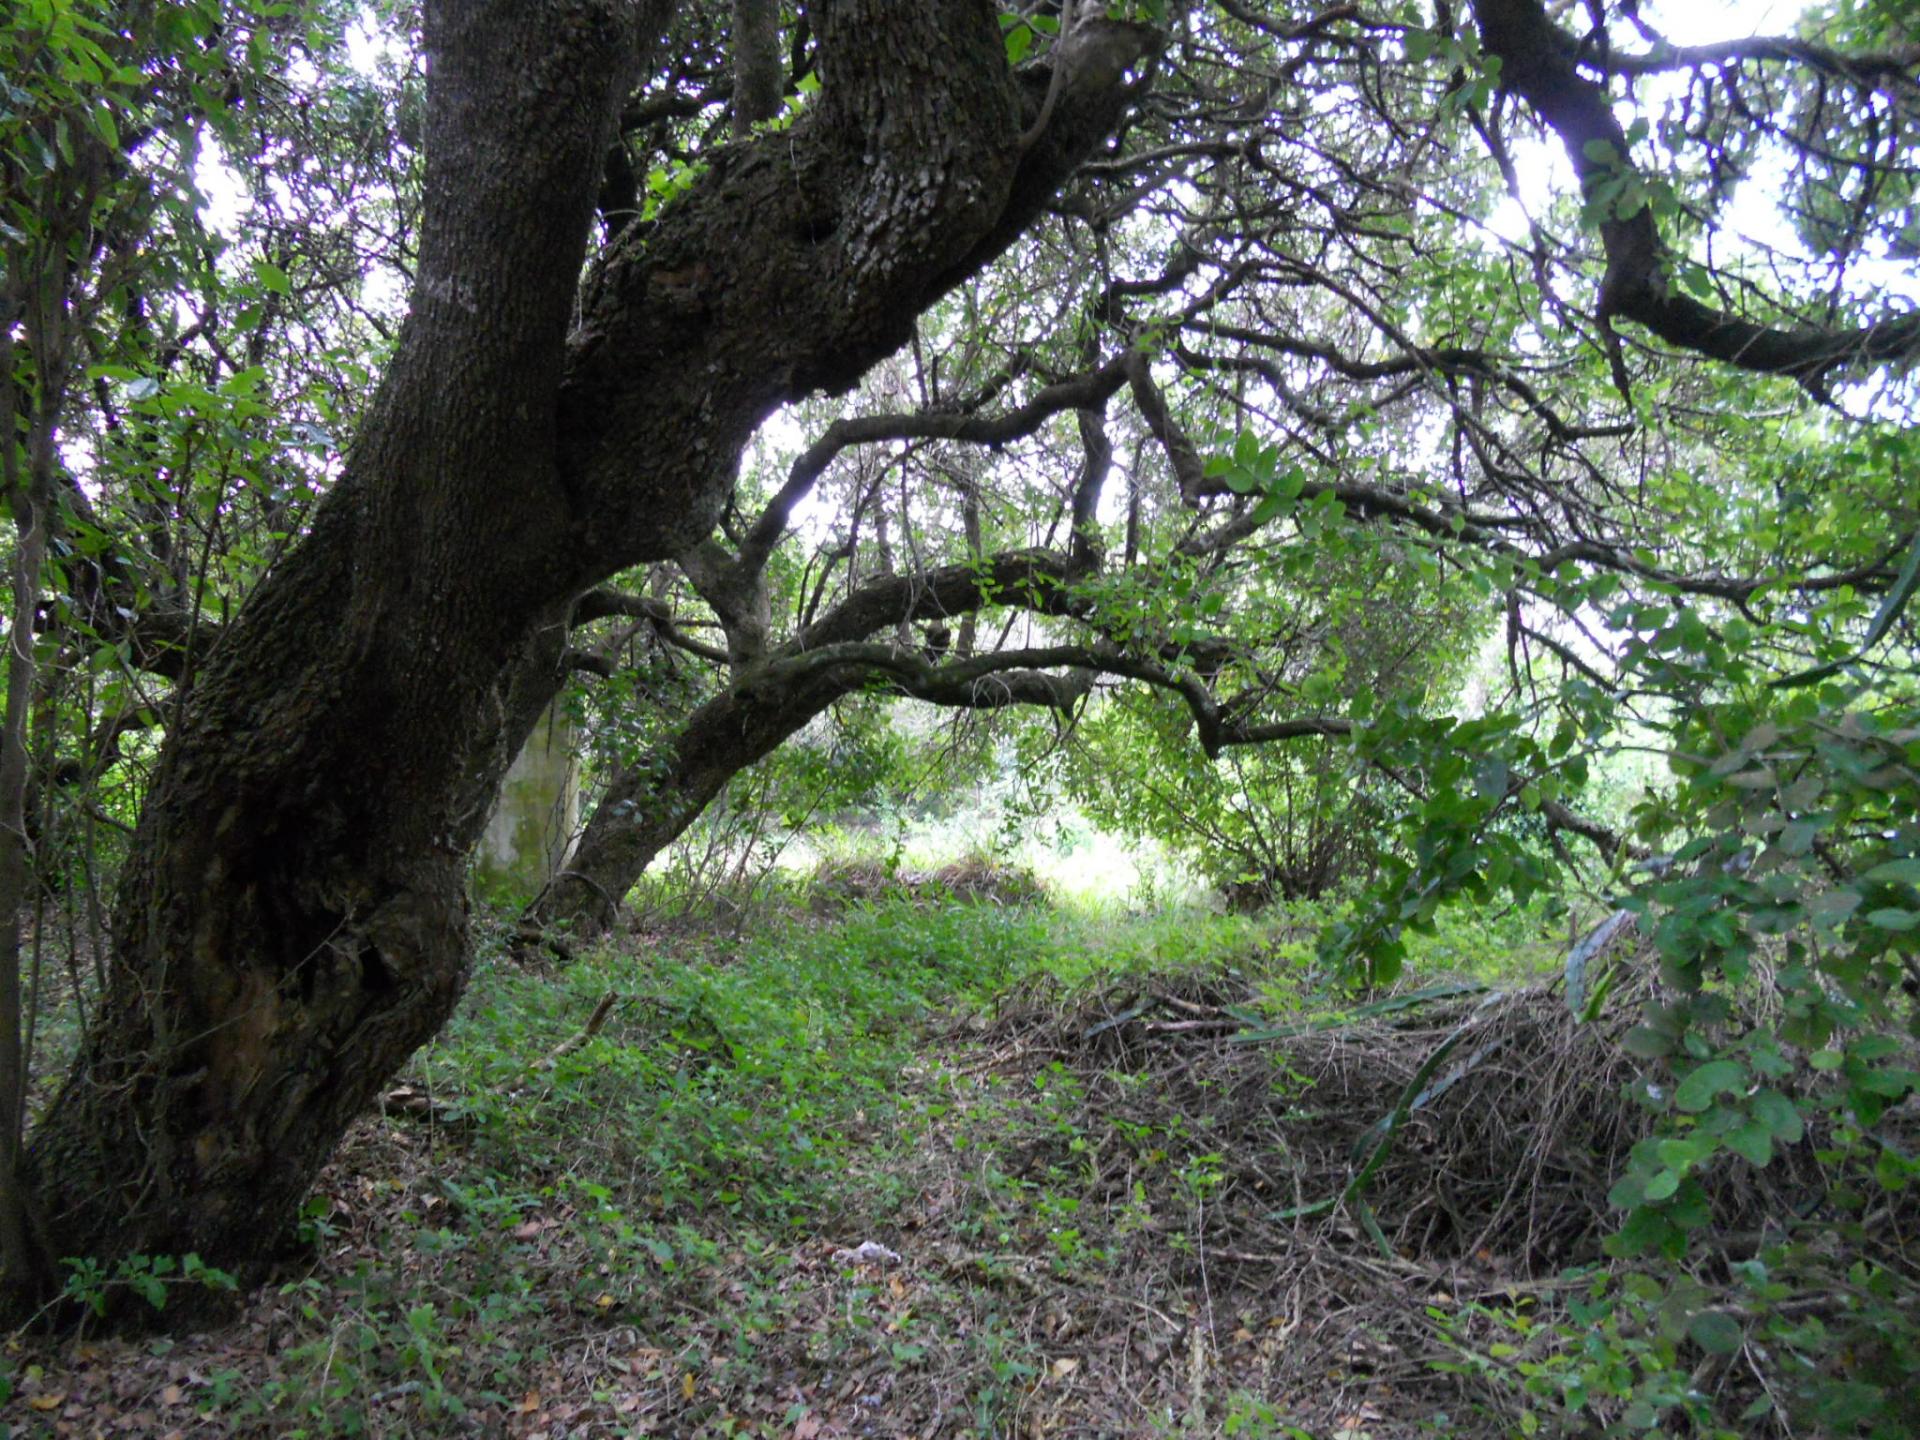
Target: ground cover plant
x,y
919,1165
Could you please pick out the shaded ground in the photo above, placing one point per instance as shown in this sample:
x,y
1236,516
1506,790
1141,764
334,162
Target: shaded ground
x,y
1124,1208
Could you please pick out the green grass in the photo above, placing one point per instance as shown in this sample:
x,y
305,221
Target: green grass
x,y
740,1076
669,1193
728,1077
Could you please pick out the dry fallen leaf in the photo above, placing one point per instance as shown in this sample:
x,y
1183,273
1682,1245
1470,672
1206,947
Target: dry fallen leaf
x,y
529,1403
686,1385
1065,1366
49,1401
172,1395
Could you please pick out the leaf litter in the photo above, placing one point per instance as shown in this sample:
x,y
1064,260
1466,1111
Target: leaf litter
x,y
1122,1210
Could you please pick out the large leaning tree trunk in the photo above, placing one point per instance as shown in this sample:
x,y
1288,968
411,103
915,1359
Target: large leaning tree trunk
x,y
650,803
292,922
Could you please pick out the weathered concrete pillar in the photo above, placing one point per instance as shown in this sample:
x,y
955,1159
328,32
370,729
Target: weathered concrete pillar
x,y
537,818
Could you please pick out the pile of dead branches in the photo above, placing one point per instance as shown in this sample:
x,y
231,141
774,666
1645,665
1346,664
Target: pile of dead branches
x,y
1374,1183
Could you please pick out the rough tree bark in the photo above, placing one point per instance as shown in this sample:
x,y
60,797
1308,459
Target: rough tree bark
x,y
291,923
756,64
291,920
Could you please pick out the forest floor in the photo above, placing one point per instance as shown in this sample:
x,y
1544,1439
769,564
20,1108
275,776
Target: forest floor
x,y
916,1169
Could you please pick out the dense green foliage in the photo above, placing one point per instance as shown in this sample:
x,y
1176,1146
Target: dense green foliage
x,y
1343,616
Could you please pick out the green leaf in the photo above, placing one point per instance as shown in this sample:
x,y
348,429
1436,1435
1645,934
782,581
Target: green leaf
x,y
1690,1210
1798,837
1490,778
1705,1084
1893,919
1716,1332
1280,498
1681,1155
1893,1170
1662,1186
1779,1115
1629,1192
1752,1142
1894,872
1889,611
1647,1044
1643,1231
1834,906
1896,598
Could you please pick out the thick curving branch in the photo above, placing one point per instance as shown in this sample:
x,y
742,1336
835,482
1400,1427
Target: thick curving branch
x,y
651,803
1538,63
801,258
601,604
1088,391
1867,69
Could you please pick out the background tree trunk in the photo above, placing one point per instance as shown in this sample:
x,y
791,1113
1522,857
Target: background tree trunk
x,y
532,827
756,64
651,803
29,496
